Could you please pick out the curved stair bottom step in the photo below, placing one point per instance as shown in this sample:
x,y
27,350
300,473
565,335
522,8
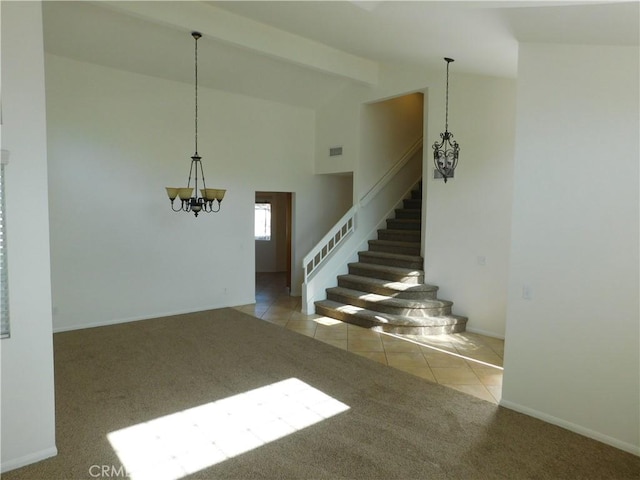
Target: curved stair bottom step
x,y
414,308
384,322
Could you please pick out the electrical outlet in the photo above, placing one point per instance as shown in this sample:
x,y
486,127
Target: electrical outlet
x,y
482,260
527,294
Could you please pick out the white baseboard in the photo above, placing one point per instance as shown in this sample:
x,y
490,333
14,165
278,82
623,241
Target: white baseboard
x,y
600,437
137,319
28,459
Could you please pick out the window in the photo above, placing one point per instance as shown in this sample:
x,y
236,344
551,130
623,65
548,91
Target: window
x,y
4,287
263,221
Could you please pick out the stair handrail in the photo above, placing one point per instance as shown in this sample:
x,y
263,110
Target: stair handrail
x,y
346,225
379,185
329,242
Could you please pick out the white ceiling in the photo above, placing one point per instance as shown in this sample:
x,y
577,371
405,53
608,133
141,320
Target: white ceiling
x,y
481,36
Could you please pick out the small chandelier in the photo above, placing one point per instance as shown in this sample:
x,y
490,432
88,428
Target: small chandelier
x,y
445,152
211,197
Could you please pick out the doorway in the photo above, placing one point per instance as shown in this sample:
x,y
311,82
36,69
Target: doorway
x,y
273,237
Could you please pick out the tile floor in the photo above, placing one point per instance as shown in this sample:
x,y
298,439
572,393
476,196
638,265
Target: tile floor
x,y
468,362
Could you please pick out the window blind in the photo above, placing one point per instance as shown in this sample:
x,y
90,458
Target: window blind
x,y
4,286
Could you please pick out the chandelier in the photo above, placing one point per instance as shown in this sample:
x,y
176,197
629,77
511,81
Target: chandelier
x,y
189,201
445,152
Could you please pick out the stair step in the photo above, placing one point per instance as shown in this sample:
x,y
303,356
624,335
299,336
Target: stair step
x,y
399,235
385,272
391,305
388,288
391,323
404,224
384,291
391,259
409,213
394,246
412,203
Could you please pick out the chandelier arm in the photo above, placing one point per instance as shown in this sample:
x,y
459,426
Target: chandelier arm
x,y
174,209
190,172
196,160
204,185
212,210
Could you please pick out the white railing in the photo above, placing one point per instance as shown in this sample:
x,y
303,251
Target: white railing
x,y
329,242
342,232
379,185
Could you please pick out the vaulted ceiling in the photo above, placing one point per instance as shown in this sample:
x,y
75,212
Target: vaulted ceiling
x,y
299,52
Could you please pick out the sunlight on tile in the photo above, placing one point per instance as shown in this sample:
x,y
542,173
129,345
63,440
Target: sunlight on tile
x,y
489,376
496,391
438,359
177,445
327,321
424,346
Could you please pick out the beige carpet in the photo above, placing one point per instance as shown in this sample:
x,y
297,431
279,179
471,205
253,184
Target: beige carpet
x,y
369,421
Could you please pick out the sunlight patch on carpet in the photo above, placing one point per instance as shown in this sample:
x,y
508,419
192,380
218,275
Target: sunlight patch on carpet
x,y
176,445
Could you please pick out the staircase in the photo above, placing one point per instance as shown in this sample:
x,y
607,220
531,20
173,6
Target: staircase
x,y
385,289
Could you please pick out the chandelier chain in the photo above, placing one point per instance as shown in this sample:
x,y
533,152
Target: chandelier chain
x,y
196,93
446,115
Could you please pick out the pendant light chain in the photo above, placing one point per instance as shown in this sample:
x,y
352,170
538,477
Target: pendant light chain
x,y
446,115
196,36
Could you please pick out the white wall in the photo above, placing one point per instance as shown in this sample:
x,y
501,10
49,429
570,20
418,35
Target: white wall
x,y
338,125
470,216
28,416
468,219
388,128
116,139
572,350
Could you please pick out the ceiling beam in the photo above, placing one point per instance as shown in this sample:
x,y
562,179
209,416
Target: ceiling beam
x,y
242,32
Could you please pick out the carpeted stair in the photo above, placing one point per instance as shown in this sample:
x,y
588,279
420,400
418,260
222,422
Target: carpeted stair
x,y
385,289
